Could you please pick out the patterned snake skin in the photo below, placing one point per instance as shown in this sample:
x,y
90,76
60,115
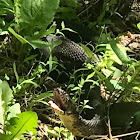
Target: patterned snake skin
x,y
66,109
68,52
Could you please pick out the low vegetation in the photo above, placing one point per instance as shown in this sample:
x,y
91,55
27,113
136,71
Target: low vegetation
x,y
25,73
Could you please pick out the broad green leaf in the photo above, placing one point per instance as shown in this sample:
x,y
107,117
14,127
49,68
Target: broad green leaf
x,y
117,72
19,37
36,43
26,121
138,25
116,84
106,72
119,52
37,13
5,98
4,137
13,111
109,53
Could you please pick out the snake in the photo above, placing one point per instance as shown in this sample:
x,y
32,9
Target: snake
x,y
95,128
73,121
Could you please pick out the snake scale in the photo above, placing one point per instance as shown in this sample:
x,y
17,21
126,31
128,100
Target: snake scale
x,y
67,111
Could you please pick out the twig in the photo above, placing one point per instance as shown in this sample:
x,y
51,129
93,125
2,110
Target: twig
x,y
127,134
109,129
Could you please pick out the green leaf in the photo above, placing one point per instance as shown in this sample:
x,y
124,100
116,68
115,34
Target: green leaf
x,y
116,84
30,81
87,106
86,101
15,71
51,30
4,137
62,25
119,52
89,52
36,43
44,102
19,37
52,133
37,13
44,95
31,57
5,97
90,75
108,84
26,121
6,7
17,12
13,111
138,25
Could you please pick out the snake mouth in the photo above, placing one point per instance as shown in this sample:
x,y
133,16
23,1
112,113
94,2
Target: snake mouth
x,y
55,107
59,102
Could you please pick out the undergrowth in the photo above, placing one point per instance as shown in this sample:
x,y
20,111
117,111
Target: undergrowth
x,y
25,72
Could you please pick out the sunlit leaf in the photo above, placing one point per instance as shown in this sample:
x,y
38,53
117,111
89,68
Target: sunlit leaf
x,y
36,43
119,53
37,13
26,121
19,37
44,95
5,98
138,25
13,111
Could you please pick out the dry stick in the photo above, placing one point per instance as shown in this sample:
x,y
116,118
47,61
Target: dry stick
x,y
117,136
109,129
127,134
137,136
84,10
108,121
43,131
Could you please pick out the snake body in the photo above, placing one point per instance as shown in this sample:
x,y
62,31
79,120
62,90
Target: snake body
x,y
68,52
70,117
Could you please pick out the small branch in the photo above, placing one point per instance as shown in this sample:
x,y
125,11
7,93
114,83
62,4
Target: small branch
x,y
109,129
127,134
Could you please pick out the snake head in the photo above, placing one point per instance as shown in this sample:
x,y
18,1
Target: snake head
x,y
62,103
